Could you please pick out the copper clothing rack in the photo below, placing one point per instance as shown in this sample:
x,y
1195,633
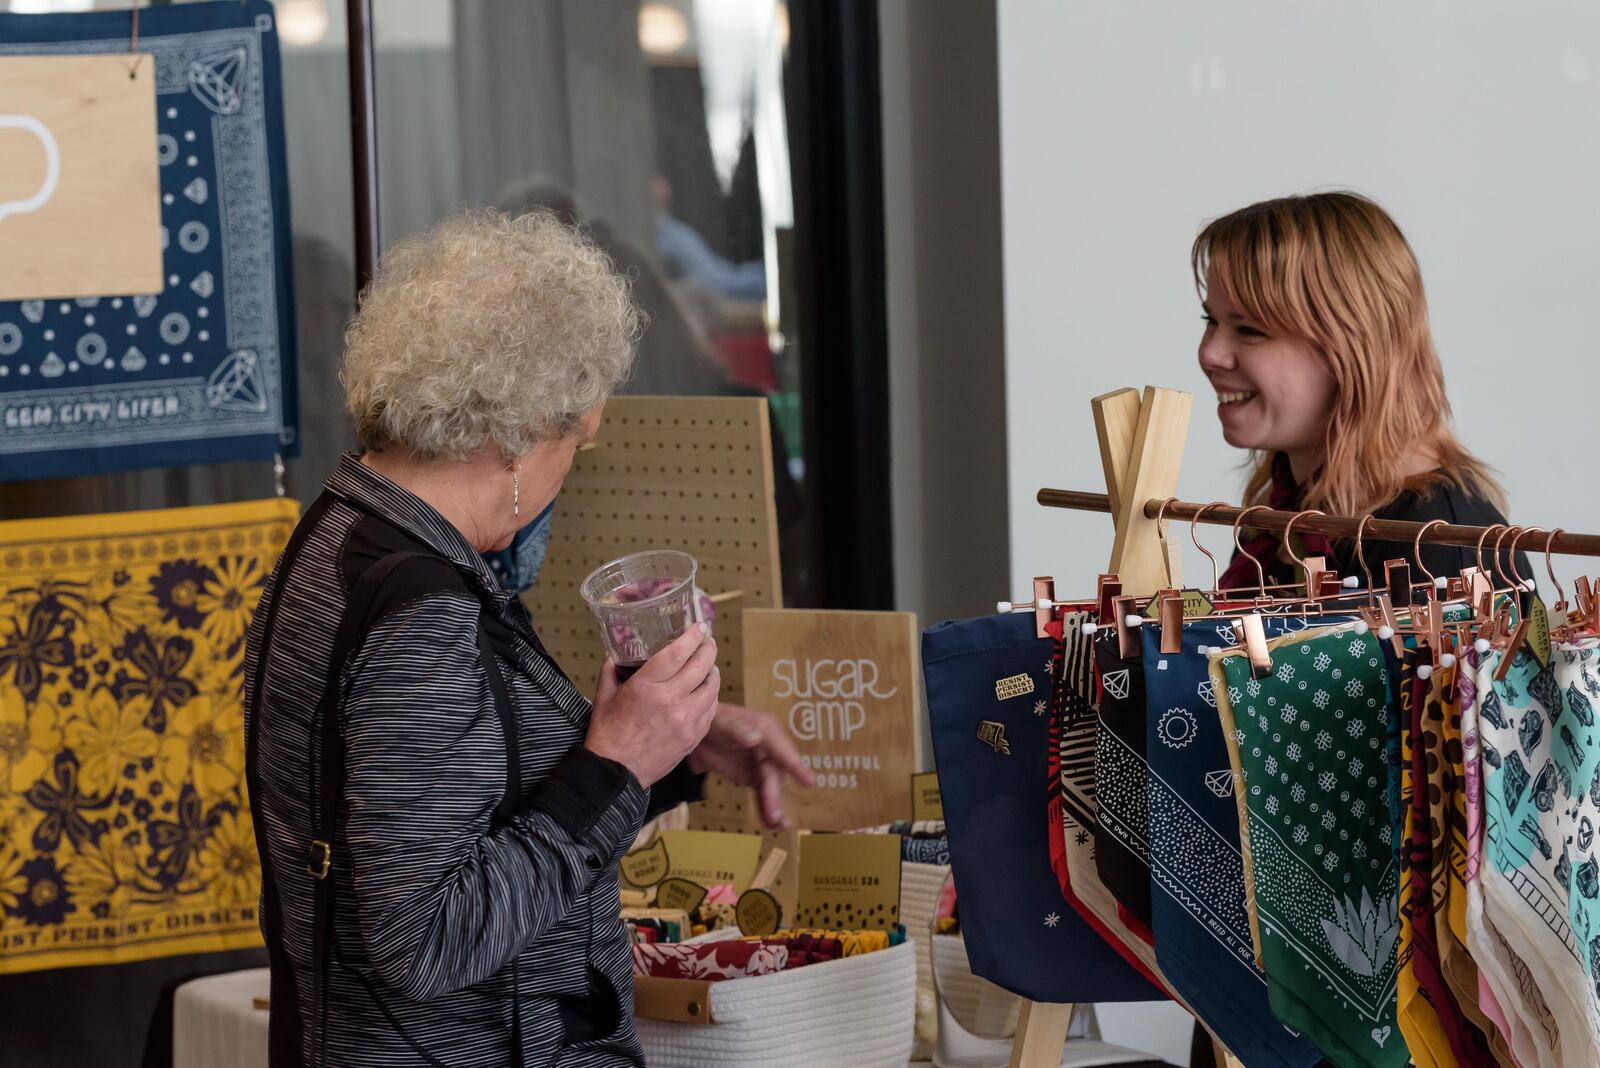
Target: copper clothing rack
x,y
1392,530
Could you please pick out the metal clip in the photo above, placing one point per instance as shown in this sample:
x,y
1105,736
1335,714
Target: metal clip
x,y
1397,576
315,867
1128,644
1170,611
1253,637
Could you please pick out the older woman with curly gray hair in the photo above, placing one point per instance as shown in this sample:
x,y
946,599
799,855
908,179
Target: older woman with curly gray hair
x,y
439,811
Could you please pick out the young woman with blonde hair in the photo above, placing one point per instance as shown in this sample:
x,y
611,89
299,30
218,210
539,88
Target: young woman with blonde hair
x,y
1317,344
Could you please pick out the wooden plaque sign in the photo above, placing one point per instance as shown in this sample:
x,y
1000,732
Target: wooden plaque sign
x,y
849,881
847,687
80,196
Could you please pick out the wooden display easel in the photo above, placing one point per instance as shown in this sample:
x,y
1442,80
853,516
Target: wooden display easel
x,y
1141,450
690,473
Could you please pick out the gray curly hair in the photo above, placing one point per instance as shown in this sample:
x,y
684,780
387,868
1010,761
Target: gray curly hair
x,y
487,328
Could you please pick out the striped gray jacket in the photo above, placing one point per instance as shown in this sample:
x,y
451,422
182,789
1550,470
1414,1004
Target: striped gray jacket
x,y
436,908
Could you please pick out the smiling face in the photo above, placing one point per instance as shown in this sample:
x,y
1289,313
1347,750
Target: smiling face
x,y
1274,393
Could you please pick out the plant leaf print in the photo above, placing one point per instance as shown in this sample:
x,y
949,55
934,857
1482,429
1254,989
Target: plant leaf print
x,y
1362,936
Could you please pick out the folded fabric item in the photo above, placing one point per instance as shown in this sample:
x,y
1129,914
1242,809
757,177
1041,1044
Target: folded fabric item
x,y
1122,817
1198,914
1506,988
1464,1044
721,894
1456,1002
1069,799
1578,672
1416,1016
651,931
815,946
1538,769
990,751
946,908
709,960
925,850
1305,743
1447,807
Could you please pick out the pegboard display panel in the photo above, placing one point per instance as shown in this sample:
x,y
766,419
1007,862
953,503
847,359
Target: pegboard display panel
x,y
690,473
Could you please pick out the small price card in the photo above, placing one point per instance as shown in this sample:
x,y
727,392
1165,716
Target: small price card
x,y
850,881
713,858
925,801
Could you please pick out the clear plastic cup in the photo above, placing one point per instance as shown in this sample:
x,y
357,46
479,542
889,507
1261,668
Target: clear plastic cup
x,y
643,601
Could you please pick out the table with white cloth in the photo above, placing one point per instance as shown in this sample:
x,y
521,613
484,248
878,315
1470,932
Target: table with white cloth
x,y
215,1022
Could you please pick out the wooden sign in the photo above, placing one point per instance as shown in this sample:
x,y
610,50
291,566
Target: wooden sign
x,y
849,881
80,196
758,913
926,804
676,893
646,866
1195,604
846,685
712,858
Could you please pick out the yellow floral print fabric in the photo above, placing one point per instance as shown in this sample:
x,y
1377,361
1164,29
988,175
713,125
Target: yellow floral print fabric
x,y
125,831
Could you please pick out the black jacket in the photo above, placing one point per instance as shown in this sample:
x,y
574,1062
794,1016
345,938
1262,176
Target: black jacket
x,y
436,899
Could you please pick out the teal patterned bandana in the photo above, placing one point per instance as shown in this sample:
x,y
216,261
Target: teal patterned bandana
x,y
1307,748
1537,742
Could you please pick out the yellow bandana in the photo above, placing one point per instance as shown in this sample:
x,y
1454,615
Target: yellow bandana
x,y
125,832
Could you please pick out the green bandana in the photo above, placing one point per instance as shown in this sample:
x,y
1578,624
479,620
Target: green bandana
x,y
1306,745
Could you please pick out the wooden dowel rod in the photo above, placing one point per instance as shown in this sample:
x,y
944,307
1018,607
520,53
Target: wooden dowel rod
x,y
1393,530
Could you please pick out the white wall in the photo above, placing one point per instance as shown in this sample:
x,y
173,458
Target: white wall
x,y
1125,126
941,176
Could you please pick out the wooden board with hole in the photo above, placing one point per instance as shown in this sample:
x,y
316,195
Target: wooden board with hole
x,y
690,473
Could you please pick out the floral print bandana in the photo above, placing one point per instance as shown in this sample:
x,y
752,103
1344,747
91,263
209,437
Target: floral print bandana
x,y
1419,1016
125,833
1306,748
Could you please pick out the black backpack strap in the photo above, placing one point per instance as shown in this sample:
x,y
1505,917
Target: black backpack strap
x,y
378,592
284,1027
326,771
496,640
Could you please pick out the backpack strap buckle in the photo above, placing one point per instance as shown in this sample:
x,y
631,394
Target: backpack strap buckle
x,y
319,858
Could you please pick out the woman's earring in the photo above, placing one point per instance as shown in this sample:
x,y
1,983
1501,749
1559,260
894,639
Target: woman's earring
x,y
516,495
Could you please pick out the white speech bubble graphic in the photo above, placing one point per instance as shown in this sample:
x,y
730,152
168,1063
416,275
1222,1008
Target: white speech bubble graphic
x,y
52,164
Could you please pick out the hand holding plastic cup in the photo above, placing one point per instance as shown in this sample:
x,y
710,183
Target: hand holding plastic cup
x,y
643,602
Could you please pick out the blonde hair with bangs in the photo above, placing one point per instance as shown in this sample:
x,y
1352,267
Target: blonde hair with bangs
x,y
1333,269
